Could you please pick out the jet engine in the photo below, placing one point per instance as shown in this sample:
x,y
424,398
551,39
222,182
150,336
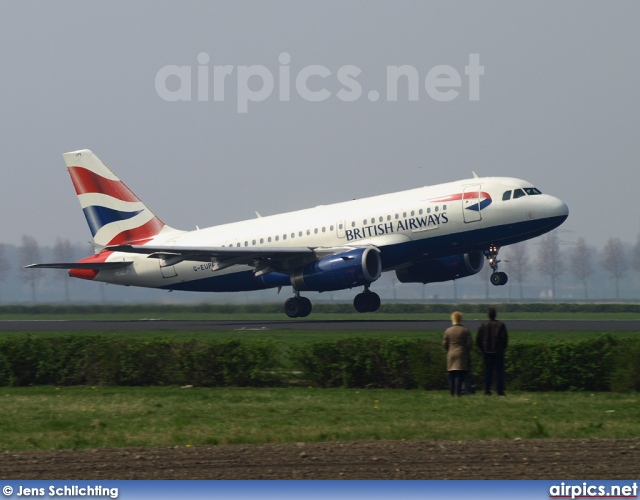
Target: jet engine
x,y
357,267
443,269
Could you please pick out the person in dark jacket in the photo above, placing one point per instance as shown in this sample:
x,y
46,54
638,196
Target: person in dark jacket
x,y
492,341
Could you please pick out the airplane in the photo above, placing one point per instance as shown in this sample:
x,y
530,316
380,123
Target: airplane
x,y
426,234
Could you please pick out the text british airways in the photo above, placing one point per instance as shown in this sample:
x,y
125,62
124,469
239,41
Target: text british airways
x,y
411,224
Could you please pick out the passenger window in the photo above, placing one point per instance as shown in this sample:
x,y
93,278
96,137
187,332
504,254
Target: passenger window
x,y
429,210
353,224
284,236
331,228
253,242
315,231
277,238
444,207
518,193
436,209
261,241
388,217
269,239
506,196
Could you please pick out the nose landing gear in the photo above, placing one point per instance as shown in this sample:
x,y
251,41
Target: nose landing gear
x,y
497,278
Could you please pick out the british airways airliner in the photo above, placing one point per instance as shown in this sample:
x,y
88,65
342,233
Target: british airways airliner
x,y
427,234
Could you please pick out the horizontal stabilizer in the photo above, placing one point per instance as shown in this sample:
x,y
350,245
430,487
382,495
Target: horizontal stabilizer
x,y
98,266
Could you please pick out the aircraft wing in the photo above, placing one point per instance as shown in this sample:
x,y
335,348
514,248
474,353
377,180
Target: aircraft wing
x,y
263,259
98,266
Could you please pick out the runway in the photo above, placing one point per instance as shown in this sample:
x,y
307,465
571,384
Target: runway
x,y
355,325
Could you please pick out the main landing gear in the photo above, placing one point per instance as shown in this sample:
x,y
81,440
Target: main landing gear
x,y
297,307
497,278
366,301
300,307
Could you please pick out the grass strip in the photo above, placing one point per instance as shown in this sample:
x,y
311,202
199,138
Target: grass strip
x,y
94,417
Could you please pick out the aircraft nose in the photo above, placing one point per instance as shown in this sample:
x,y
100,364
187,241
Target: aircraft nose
x,y
555,207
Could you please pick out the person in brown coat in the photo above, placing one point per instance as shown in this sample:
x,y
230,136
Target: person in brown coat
x,y
458,342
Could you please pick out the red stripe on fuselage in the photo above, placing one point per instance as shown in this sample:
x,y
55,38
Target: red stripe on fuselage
x,y
85,181
469,195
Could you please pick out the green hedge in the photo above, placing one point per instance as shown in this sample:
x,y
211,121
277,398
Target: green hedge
x,y
104,360
367,362
601,364
561,366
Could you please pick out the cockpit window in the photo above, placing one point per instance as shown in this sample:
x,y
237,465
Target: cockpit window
x,y
532,191
506,196
518,193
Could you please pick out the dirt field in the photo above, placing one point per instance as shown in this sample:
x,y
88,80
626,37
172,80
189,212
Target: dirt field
x,y
518,459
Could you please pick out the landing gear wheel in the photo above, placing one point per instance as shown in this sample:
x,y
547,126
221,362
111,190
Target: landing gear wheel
x,y
306,307
374,304
298,307
366,302
499,279
292,307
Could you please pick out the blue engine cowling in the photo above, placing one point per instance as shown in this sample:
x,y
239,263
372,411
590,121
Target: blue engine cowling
x,y
443,269
336,272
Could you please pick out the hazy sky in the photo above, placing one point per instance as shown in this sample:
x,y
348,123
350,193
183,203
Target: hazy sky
x,y
558,104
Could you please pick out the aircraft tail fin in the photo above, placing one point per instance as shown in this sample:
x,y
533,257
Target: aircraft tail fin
x,y
114,213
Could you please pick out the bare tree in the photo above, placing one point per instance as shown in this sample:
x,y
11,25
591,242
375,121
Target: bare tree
x,y
615,261
63,252
4,264
517,262
30,254
550,259
581,265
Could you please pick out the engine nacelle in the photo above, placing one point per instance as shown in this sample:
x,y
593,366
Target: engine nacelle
x,y
336,272
443,269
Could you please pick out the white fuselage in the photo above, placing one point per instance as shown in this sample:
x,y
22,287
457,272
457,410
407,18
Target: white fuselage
x,y
407,227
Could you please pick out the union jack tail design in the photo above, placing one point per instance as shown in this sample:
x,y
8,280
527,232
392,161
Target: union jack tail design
x,y
115,215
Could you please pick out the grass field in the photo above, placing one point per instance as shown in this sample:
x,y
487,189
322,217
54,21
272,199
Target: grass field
x,y
91,417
